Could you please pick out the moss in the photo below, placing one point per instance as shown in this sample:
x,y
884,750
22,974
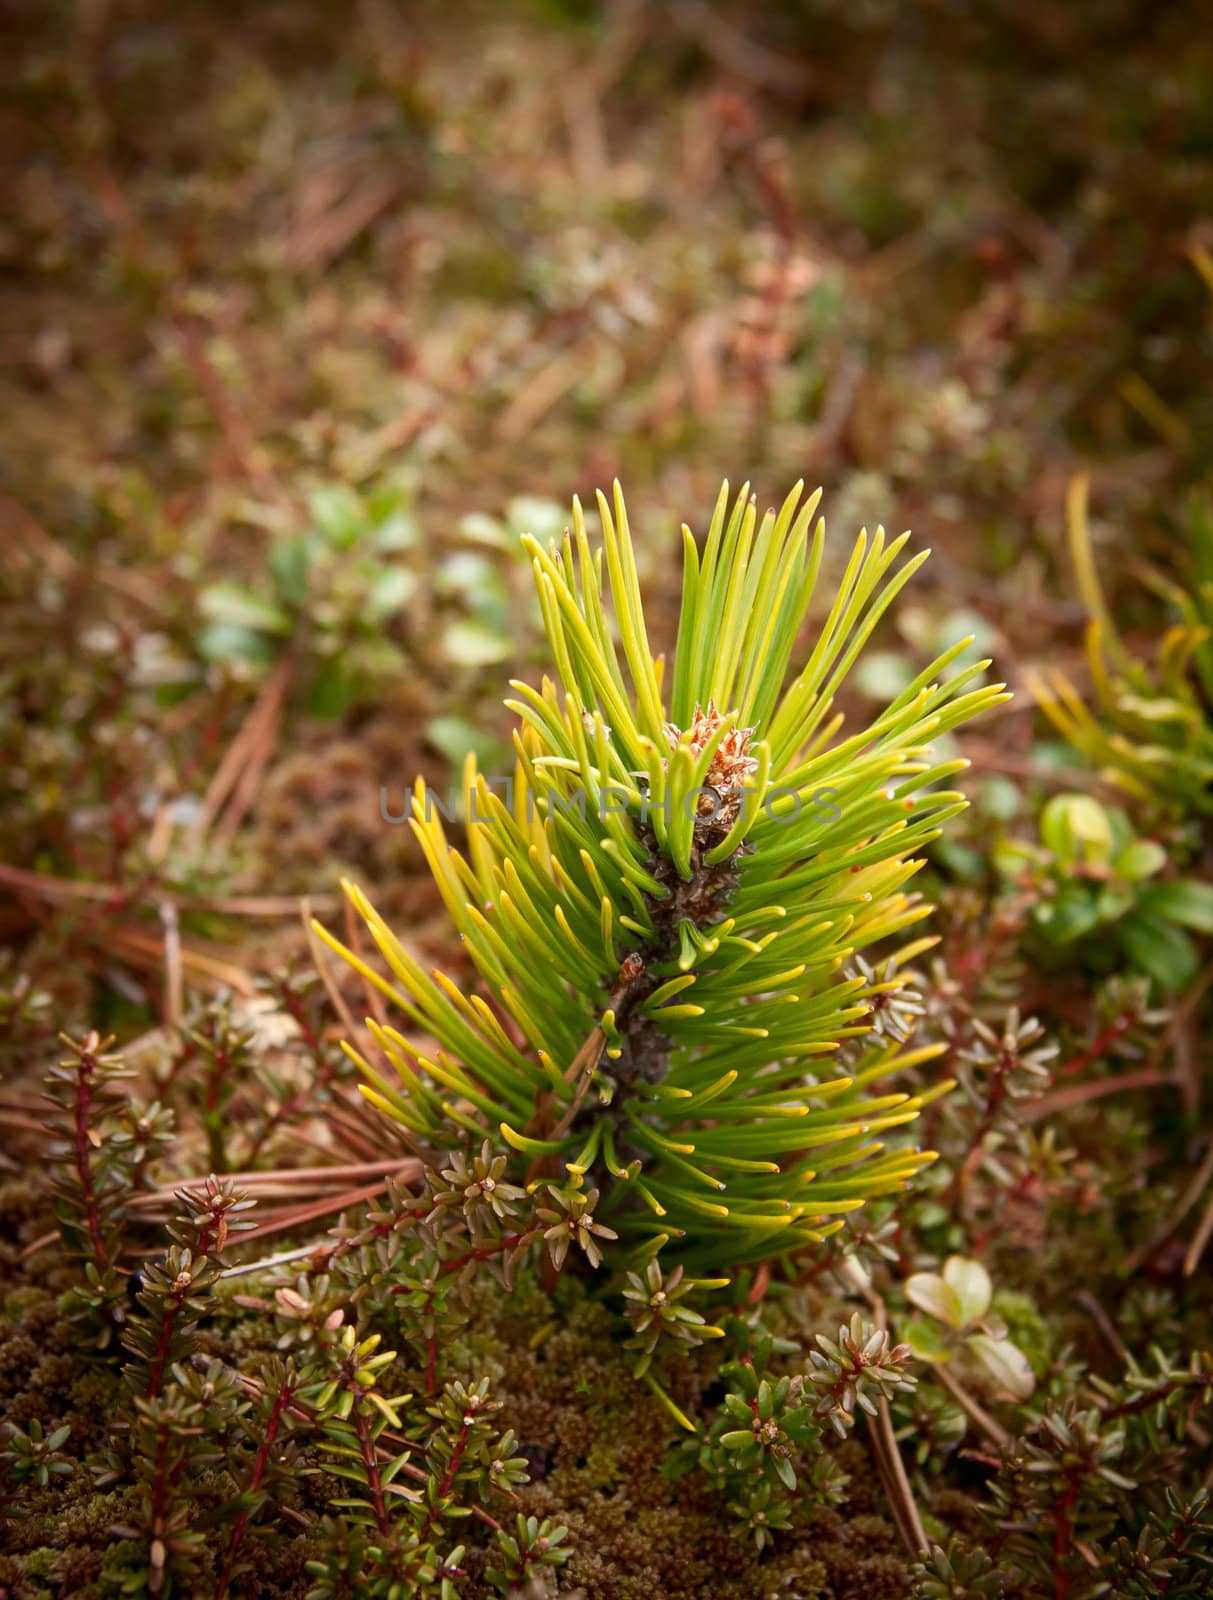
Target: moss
x,y
597,1441
22,1299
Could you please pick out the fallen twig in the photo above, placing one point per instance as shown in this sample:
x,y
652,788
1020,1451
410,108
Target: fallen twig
x,y
893,1477
1077,1094
977,1414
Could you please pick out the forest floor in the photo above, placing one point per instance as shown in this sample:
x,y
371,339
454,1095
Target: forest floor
x,y
409,278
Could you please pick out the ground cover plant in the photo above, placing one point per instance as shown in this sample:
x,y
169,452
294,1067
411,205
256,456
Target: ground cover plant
x,y
546,1051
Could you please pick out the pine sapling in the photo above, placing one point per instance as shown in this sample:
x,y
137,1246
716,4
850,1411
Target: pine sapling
x,y
670,904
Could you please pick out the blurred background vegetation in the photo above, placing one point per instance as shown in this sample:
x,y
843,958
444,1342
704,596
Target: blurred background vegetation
x,y
309,309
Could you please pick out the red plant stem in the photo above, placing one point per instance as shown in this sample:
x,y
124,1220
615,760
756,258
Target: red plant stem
x,y
456,1460
762,1281
187,1056
998,1093
315,1048
159,1505
324,1257
165,1481
485,1252
409,1471
968,966
84,1170
431,1349
324,1074
1020,1188
216,1078
370,1461
214,1084
448,1482
1063,1534
1099,1046
282,1400
1145,1400
828,1261
998,1087
172,1308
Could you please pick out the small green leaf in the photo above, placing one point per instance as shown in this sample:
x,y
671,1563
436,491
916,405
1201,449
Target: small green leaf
x,y
1113,901
930,1293
390,592
454,737
883,674
468,644
1185,902
1013,856
1073,913
476,580
237,607
339,515
226,644
1004,1363
289,561
331,693
543,519
927,1341
462,572
970,1282
1160,949
1141,859
398,531
1001,798
482,529
1076,827
737,1439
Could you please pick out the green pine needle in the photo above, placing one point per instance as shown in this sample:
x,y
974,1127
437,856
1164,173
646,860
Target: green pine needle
x,y
664,913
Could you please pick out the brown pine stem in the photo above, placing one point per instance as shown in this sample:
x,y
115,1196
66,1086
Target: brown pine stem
x,y
889,1465
1077,1094
990,1426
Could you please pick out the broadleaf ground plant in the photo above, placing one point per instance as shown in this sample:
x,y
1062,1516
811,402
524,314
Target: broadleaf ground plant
x,y
668,908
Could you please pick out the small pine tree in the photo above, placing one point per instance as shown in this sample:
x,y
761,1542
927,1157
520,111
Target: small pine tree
x,y
667,906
